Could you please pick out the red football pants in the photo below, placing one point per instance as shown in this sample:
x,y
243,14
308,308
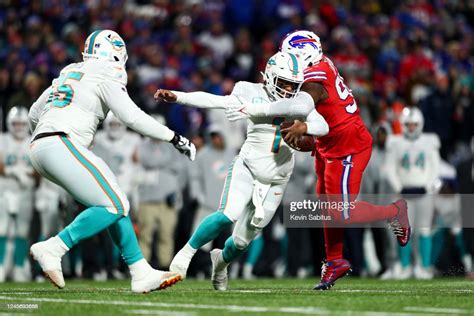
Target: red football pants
x,y
339,180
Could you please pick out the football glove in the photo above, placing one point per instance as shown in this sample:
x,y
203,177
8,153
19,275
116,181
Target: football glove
x,y
184,146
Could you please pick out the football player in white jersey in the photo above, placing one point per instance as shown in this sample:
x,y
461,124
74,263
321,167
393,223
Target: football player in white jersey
x,y
257,177
412,168
64,120
16,192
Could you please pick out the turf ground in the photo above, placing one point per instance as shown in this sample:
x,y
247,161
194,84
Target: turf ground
x,y
259,297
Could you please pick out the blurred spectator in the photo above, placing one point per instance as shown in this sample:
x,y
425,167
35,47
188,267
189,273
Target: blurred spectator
x,y
159,193
207,180
438,110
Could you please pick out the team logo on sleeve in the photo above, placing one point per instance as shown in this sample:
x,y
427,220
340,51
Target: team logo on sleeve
x,y
299,42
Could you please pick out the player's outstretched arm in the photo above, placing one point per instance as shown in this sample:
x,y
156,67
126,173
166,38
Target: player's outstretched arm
x,y
197,99
115,97
301,105
37,108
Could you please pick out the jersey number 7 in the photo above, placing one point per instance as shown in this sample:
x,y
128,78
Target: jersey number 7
x,y
63,92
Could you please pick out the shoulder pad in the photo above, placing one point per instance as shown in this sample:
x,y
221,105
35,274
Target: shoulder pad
x,y
318,72
241,87
113,71
432,139
108,70
69,67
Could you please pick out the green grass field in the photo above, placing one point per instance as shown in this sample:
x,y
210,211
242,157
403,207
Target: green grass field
x,y
350,296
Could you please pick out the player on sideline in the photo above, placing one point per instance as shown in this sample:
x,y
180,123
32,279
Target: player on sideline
x,y
341,155
17,184
257,178
413,163
64,120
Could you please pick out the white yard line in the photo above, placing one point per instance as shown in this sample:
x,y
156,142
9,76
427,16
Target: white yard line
x,y
158,312
229,308
437,310
16,293
251,291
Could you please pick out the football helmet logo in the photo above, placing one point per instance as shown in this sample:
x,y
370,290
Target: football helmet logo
x,y
105,45
299,42
304,44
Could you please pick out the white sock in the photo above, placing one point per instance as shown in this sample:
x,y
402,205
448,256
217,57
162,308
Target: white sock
x,y
188,251
58,247
140,267
221,264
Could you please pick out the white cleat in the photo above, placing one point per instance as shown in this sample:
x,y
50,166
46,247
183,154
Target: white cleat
x,y
219,276
154,280
180,263
49,262
405,274
21,274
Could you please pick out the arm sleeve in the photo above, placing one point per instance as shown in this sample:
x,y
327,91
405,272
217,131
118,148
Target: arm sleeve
x,y
301,105
37,108
115,97
317,125
435,161
205,100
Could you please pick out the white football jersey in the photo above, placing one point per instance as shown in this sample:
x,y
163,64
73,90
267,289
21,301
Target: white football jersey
x,y
264,151
74,106
118,154
14,153
413,163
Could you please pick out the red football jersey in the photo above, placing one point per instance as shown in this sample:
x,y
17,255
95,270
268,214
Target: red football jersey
x,y
347,132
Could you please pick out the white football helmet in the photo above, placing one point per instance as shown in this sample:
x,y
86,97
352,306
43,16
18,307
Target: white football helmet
x,y
283,69
412,115
17,122
304,44
105,45
114,128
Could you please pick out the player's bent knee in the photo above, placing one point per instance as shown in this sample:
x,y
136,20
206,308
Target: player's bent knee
x,y
240,243
228,215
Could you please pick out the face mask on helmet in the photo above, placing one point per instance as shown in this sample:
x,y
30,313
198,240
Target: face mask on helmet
x,y
105,45
305,45
283,75
113,127
412,122
17,122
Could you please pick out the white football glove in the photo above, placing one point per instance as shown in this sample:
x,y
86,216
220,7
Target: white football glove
x,y
184,146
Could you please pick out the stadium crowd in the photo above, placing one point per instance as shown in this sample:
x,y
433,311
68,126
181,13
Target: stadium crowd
x,y
391,53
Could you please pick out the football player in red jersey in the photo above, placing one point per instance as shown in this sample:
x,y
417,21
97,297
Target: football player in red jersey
x,y
341,156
